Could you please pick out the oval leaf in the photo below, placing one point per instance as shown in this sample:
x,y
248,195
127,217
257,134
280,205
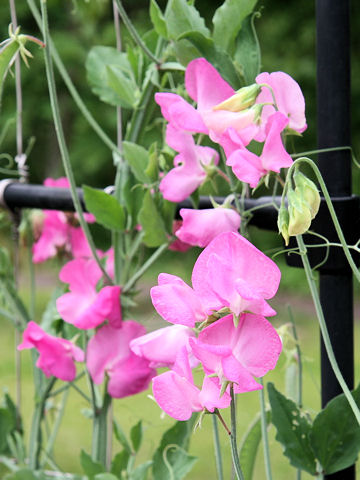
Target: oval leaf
x,y
107,210
152,223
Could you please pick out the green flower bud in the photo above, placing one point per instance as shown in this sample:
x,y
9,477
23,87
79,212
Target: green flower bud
x,y
283,223
299,213
307,189
242,99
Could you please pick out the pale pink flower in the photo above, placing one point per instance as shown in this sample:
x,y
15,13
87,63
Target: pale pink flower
x,y
200,227
249,167
176,302
237,354
176,394
162,346
83,306
57,356
189,172
109,353
231,272
289,100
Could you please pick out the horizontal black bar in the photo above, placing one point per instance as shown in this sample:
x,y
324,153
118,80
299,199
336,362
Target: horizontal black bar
x,y
21,195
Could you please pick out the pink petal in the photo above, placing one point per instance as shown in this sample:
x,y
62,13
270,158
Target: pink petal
x,y
235,372
54,235
246,166
274,156
81,274
219,121
210,396
79,243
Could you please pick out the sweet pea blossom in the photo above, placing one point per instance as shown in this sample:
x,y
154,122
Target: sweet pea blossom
x,y
83,306
199,227
289,100
189,172
176,394
178,245
58,231
237,354
109,353
57,356
176,302
249,167
231,272
207,88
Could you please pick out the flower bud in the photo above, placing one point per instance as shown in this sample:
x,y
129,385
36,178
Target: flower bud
x,y
307,189
242,99
283,223
299,213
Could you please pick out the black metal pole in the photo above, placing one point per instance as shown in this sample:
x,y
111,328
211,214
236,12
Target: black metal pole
x,y
333,104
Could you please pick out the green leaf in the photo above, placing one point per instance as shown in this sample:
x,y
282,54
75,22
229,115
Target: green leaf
x,y
335,435
138,159
7,56
247,52
250,444
124,88
97,63
120,463
105,476
168,214
216,56
90,467
133,197
293,431
152,169
136,434
152,223
6,426
121,437
23,474
140,472
228,19
173,446
157,19
181,17
107,210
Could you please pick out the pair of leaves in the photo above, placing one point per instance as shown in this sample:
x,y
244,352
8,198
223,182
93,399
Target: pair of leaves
x,y
333,439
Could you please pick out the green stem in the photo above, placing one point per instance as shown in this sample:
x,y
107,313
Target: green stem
x,y
35,433
158,252
133,133
133,32
61,139
71,87
99,445
323,328
234,450
218,458
320,150
299,356
264,433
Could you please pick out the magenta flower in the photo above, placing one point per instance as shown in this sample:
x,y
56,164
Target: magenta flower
x,y
83,306
289,100
109,353
162,346
233,273
57,356
176,394
247,166
176,302
207,88
200,227
237,354
189,172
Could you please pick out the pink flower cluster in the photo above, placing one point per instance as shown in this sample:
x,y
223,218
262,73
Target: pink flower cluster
x,y
279,105
227,306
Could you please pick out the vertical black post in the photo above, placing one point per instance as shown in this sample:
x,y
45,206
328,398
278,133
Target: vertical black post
x,y
333,103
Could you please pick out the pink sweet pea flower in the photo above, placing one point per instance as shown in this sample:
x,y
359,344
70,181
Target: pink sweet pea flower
x,y
57,355
233,273
83,306
176,302
200,227
289,100
189,172
109,352
205,86
162,346
176,394
247,166
236,354
178,245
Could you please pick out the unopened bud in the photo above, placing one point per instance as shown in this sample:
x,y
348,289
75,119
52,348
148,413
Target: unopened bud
x,y
307,189
242,99
299,214
283,223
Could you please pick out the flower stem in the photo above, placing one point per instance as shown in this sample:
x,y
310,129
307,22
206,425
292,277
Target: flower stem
x,y
234,450
323,328
61,139
264,433
218,458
